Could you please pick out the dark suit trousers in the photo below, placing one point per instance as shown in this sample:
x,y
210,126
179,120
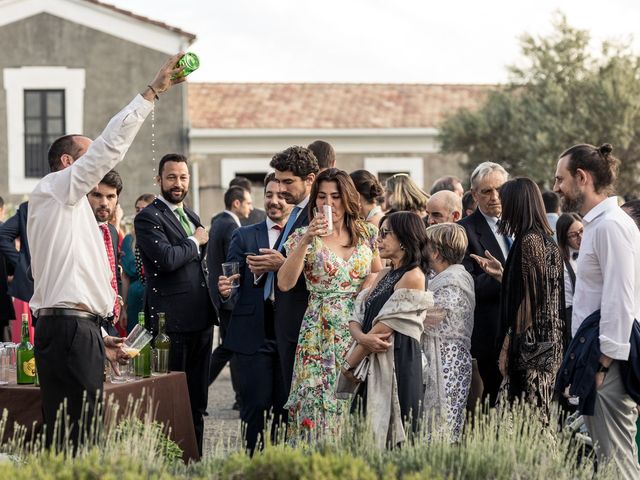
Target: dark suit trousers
x,y
191,353
221,355
70,358
261,388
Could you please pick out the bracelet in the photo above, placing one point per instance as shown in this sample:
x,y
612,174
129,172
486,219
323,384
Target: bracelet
x,y
155,94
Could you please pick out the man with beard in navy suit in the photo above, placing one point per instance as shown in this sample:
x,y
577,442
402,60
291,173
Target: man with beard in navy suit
x,y
251,332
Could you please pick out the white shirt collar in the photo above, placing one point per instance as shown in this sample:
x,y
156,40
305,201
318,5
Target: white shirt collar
x,y
234,216
492,221
172,206
303,204
270,223
605,205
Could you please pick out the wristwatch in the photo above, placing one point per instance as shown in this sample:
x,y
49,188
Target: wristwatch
x,y
602,368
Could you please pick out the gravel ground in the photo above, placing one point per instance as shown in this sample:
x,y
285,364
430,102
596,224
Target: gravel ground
x,y
222,426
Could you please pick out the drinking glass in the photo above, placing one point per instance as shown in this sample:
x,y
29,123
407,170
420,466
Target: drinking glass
x,y
232,269
326,212
5,360
139,338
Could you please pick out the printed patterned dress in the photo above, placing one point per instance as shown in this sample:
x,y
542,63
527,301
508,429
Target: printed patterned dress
x,y
333,285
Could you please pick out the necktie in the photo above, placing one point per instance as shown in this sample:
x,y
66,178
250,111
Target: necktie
x,y
574,255
268,285
184,221
108,244
508,241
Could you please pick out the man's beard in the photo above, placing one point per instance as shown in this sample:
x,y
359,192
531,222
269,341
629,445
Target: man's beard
x,y
168,196
103,212
574,202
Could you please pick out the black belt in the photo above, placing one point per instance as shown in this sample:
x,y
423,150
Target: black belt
x,y
72,312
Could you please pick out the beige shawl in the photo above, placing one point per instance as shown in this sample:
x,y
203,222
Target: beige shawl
x,y
404,313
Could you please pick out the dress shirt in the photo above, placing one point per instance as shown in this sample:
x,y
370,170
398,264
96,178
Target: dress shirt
x,y
68,259
273,233
568,286
234,216
493,225
173,207
609,276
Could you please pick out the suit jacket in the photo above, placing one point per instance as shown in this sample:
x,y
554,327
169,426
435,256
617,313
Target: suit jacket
x,y
6,305
290,306
245,333
18,261
487,311
257,215
175,270
222,228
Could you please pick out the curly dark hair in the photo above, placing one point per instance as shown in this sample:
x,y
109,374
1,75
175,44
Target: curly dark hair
x,y
112,178
599,161
298,160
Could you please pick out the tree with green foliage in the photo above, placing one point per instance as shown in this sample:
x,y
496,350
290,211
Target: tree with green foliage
x,y
562,95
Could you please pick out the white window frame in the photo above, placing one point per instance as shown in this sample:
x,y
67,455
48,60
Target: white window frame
x,y
413,165
16,81
232,167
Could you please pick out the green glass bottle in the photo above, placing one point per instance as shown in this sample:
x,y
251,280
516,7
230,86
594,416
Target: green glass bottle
x,y
190,62
163,346
142,362
25,357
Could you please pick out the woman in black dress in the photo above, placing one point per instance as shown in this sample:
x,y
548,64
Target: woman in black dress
x,y
387,325
532,309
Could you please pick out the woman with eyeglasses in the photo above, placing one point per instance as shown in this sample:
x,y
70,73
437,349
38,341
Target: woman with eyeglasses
x,y
532,308
569,231
386,326
336,265
402,194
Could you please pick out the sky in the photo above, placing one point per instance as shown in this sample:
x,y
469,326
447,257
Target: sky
x,y
374,41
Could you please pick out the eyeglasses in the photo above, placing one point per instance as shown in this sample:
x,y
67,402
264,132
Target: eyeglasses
x,y
577,234
384,232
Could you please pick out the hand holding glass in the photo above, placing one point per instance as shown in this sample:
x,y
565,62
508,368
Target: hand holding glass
x,y
136,341
231,270
327,213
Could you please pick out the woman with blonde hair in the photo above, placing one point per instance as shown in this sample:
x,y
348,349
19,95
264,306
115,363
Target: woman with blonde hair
x,y
447,344
402,194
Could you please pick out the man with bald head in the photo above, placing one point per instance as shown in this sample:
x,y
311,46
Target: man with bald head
x,y
444,206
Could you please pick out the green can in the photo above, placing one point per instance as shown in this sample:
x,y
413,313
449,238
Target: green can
x,y
190,62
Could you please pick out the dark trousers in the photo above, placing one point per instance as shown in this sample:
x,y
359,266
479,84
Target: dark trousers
x,y
262,392
491,376
70,359
191,353
221,355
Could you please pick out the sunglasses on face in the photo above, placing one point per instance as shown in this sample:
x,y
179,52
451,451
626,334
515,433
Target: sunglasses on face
x,y
384,232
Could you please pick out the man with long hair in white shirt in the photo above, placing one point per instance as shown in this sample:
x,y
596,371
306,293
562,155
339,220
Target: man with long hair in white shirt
x,y
73,296
608,280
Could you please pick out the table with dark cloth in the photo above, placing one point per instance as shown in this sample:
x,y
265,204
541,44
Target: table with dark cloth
x,y
170,401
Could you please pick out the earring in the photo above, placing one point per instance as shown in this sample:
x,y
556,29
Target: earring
x,y
401,247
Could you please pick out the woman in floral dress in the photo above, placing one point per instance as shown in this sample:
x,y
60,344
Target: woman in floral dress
x,y
336,266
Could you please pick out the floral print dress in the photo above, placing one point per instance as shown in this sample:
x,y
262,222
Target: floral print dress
x,y
333,285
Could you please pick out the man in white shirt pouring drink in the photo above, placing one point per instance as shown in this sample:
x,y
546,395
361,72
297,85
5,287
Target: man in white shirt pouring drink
x,y
73,296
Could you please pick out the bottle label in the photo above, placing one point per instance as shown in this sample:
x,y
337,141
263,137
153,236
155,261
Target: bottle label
x,y
29,367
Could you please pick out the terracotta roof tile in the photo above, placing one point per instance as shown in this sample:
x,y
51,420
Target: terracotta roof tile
x,y
326,105
190,36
